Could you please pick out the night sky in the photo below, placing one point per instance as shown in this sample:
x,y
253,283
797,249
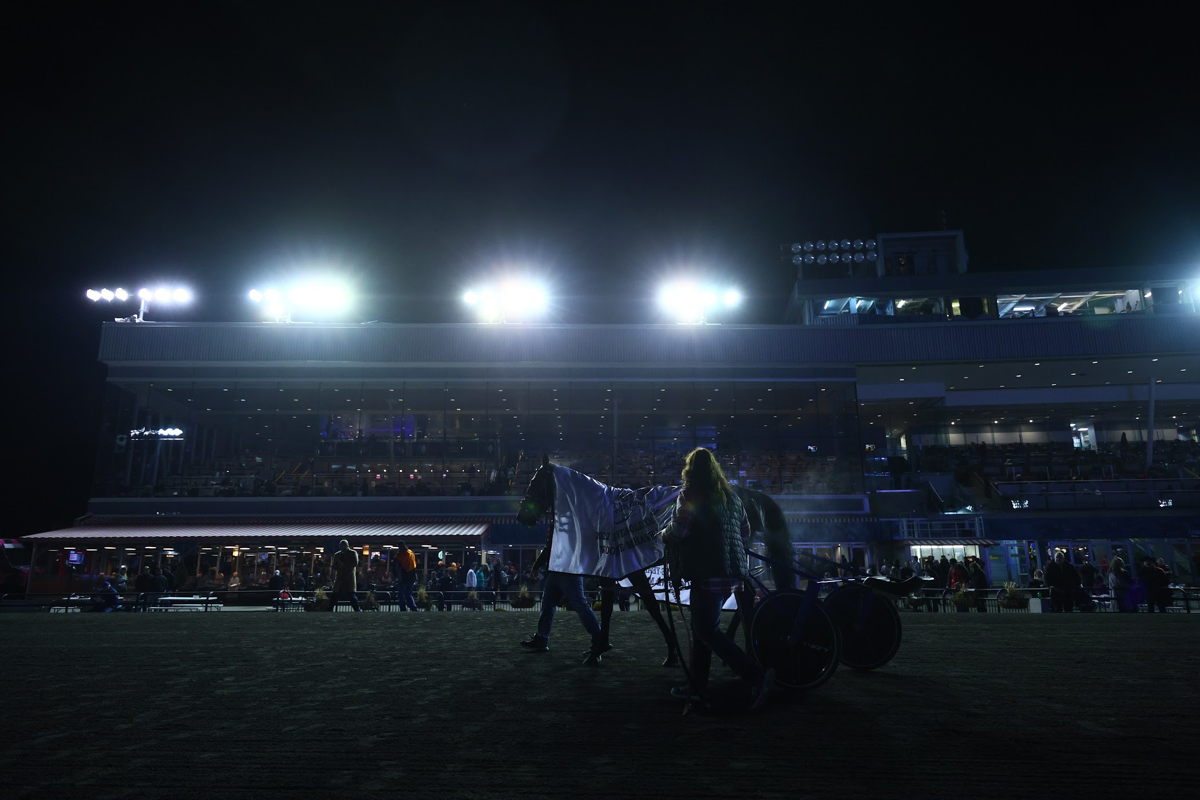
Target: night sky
x,y
416,146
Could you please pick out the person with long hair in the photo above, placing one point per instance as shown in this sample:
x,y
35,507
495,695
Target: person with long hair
x,y
707,546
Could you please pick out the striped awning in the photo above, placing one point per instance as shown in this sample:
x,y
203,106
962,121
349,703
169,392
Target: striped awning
x,y
282,530
945,542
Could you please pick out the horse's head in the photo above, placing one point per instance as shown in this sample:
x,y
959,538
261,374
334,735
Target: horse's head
x,y
539,497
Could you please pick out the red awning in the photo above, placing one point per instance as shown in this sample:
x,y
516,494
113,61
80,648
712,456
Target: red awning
x,y
282,530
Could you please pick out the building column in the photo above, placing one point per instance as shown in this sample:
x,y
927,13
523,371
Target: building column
x,y
1150,427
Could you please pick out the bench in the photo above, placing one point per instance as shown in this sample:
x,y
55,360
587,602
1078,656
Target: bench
x,y
193,603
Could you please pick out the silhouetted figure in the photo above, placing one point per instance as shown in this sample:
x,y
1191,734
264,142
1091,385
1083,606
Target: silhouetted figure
x,y
345,583
1063,580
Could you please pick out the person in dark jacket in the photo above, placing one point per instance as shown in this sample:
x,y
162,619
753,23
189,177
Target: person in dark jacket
x,y
978,581
1155,585
707,546
1063,580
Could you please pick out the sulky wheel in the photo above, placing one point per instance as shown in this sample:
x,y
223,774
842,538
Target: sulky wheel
x,y
868,623
797,638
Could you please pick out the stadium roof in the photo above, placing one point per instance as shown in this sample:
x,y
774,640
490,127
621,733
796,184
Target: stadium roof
x,y
282,530
196,351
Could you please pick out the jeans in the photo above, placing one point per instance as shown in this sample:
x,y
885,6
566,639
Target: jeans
x,y
708,638
405,590
558,586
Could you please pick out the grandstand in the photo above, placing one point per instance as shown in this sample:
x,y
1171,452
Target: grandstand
x,y
908,407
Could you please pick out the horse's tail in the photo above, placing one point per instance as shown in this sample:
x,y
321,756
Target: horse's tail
x,y
779,542
766,516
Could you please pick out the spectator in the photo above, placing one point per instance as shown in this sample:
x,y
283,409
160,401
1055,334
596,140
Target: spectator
x,y
144,582
957,578
345,584
1119,582
406,576
979,583
1038,581
1155,584
1063,580
1087,576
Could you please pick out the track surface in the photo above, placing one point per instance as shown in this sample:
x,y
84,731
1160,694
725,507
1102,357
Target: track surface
x,y
262,705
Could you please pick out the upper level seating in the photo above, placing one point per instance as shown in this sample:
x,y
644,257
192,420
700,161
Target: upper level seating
x,y
772,472
1061,461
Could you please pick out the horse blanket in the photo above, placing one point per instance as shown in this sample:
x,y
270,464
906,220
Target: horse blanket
x,y
605,531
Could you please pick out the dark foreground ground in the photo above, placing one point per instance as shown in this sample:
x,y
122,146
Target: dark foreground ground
x,y
261,705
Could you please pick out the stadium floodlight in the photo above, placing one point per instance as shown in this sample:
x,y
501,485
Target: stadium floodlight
x,y
319,298
164,295
509,300
690,303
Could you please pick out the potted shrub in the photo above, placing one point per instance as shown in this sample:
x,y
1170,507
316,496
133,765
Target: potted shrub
x,y
523,599
320,601
370,602
963,601
1011,596
472,601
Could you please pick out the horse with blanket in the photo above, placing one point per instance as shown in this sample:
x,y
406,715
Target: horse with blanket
x,y
614,534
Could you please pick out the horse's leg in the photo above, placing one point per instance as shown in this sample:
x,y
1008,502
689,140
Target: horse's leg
x,y
608,596
744,595
641,585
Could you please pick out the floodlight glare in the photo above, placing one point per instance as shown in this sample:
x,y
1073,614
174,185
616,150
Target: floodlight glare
x,y
93,295
121,294
145,294
512,300
690,303
315,297
181,296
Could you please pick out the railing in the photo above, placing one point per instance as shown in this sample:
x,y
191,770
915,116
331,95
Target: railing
x,y
1183,598
943,601
1092,494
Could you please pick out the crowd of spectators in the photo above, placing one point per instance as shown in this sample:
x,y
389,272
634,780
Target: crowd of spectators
x,y
772,472
1061,461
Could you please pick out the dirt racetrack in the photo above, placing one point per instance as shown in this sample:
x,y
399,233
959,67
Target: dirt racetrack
x,y
446,705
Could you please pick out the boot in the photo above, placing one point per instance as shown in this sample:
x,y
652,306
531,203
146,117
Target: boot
x,y
596,652
536,644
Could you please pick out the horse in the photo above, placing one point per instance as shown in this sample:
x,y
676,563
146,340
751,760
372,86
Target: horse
x,y
769,531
